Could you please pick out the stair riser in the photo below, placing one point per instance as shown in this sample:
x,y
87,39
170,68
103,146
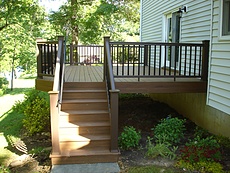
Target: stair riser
x,y
85,106
84,118
84,85
84,159
75,95
84,130
72,145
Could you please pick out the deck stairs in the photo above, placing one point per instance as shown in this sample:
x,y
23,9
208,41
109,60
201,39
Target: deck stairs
x,y
84,126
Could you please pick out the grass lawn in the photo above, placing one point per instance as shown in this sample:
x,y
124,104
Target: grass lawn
x,y
11,121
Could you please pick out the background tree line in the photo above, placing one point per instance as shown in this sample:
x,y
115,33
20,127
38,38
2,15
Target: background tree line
x,y
83,21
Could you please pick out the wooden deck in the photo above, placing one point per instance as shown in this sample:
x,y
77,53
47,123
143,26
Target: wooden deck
x,y
135,85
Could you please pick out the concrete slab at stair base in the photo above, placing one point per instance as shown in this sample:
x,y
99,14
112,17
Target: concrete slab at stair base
x,y
86,168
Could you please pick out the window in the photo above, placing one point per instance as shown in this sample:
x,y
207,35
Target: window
x,y
226,18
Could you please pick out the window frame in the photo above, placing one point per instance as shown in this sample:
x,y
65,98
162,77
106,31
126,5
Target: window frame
x,y
223,36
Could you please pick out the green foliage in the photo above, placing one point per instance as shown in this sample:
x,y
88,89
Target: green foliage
x,y
3,85
150,169
169,130
223,141
4,169
88,21
21,22
201,149
35,107
126,54
160,149
202,166
129,138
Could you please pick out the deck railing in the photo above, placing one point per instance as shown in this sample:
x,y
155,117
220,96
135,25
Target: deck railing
x,y
46,59
56,96
159,60
85,54
113,96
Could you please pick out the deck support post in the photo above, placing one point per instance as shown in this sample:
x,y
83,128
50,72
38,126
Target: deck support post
x,y
106,39
205,57
54,118
114,120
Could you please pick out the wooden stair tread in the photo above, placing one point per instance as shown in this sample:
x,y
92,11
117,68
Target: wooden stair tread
x,y
88,152
84,91
83,112
84,101
83,124
83,138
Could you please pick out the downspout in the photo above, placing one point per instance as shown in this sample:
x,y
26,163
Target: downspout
x,y
141,20
210,53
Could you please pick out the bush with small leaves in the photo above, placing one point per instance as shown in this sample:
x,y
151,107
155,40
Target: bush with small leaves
x,y
129,138
36,110
169,130
3,85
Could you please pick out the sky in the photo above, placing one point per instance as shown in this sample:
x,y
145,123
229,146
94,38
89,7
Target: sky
x,y
51,5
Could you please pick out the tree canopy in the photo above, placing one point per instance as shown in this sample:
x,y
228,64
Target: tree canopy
x,y
89,21
23,21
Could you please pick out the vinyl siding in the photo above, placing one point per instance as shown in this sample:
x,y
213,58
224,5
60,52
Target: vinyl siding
x,y
195,24
219,77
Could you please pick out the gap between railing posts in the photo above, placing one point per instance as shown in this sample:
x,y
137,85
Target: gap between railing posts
x,y
54,98
113,95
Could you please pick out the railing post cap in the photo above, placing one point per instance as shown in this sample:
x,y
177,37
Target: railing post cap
x,y
114,91
60,37
53,92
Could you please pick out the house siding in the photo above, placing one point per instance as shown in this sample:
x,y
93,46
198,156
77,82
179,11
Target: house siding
x,y
210,111
195,24
219,76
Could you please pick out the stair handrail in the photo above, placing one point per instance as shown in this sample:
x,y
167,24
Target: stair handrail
x,y
113,95
55,96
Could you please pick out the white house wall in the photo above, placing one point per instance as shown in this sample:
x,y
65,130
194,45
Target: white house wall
x,y
195,24
219,77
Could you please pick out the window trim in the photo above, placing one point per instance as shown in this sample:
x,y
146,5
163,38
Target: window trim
x,y
221,36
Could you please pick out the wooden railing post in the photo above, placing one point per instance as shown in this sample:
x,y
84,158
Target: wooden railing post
x,y
39,60
54,118
71,54
205,57
106,39
114,120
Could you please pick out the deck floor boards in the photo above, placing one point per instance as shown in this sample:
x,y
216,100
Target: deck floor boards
x,y
95,74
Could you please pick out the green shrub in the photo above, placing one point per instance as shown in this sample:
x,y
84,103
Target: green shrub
x,y
129,138
223,141
3,85
169,130
160,149
202,166
4,169
35,108
201,149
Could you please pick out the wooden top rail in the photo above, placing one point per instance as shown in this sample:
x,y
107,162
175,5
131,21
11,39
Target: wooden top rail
x,y
156,43
47,42
109,64
56,85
